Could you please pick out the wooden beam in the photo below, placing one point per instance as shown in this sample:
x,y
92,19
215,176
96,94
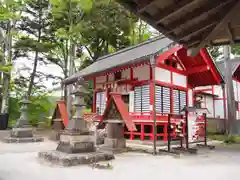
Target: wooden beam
x,y
174,9
145,4
230,33
199,13
146,17
198,69
197,29
235,7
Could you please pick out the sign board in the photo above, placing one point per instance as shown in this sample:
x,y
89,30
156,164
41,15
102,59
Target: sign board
x,y
195,120
192,126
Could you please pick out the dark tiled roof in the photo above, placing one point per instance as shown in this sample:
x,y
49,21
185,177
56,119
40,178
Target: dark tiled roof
x,y
234,65
123,57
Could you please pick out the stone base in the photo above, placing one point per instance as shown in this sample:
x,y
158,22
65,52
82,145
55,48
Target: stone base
x,y
64,159
21,133
76,147
114,145
23,140
55,135
76,144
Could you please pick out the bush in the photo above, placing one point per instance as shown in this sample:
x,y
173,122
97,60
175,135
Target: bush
x,y
40,107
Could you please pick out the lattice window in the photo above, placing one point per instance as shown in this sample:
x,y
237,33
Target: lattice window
x,y
100,102
179,100
163,99
142,98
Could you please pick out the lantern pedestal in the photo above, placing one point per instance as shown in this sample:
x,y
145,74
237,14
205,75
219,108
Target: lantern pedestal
x,y
57,129
76,145
22,135
22,132
115,141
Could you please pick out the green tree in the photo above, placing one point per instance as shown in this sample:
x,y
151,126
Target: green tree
x,y
236,50
215,52
33,24
10,11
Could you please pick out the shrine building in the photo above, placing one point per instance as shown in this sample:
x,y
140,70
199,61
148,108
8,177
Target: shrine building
x,y
178,79
213,97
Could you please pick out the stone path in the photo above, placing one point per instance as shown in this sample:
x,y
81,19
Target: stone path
x,y
19,162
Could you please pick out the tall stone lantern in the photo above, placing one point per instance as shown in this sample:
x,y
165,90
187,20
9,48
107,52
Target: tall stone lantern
x,y
76,145
22,131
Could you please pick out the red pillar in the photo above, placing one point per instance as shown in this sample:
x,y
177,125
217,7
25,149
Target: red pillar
x,y
142,132
151,107
94,96
165,132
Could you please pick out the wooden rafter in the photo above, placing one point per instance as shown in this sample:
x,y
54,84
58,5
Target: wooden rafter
x,y
145,4
199,13
230,33
225,19
199,28
173,9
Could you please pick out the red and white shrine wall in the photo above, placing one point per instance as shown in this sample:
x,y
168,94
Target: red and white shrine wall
x,y
214,98
172,90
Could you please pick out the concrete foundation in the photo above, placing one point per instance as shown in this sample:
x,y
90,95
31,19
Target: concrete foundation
x,y
66,159
22,135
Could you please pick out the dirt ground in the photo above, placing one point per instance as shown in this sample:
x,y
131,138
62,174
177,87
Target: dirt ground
x,y
19,161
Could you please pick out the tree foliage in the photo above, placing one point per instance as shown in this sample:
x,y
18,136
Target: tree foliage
x,y
70,34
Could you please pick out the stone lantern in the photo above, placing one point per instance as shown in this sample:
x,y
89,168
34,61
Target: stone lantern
x,y
22,131
76,145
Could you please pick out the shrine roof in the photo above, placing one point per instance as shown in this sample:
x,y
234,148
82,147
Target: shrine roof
x,y
127,56
193,23
235,63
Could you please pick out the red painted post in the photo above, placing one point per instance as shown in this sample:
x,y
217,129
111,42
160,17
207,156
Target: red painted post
x,y
142,132
165,137
94,96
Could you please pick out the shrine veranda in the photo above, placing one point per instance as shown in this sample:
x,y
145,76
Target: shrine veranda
x,y
179,80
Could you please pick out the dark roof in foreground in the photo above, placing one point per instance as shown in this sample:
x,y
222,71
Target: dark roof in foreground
x,y
234,65
193,23
126,56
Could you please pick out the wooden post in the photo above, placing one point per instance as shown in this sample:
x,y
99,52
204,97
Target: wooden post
x,y
169,132
186,131
230,92
153,64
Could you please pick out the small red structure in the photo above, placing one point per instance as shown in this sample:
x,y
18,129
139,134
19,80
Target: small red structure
x,y
130,73
61,112
116,100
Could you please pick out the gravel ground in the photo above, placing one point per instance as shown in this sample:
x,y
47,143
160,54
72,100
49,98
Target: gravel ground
x,y
19,162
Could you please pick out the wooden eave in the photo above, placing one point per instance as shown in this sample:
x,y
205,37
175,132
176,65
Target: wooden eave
x,y
193,23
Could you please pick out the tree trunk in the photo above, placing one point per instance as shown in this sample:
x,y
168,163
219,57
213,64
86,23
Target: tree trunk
x,y
33,74
7,76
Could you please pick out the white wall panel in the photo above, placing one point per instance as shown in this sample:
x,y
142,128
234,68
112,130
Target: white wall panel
x,y
219,108
179,80
203,87
131,101
190,97
238,85
101,79
162,75
141,72
110,77
218,91
126,74
209,105
235,90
